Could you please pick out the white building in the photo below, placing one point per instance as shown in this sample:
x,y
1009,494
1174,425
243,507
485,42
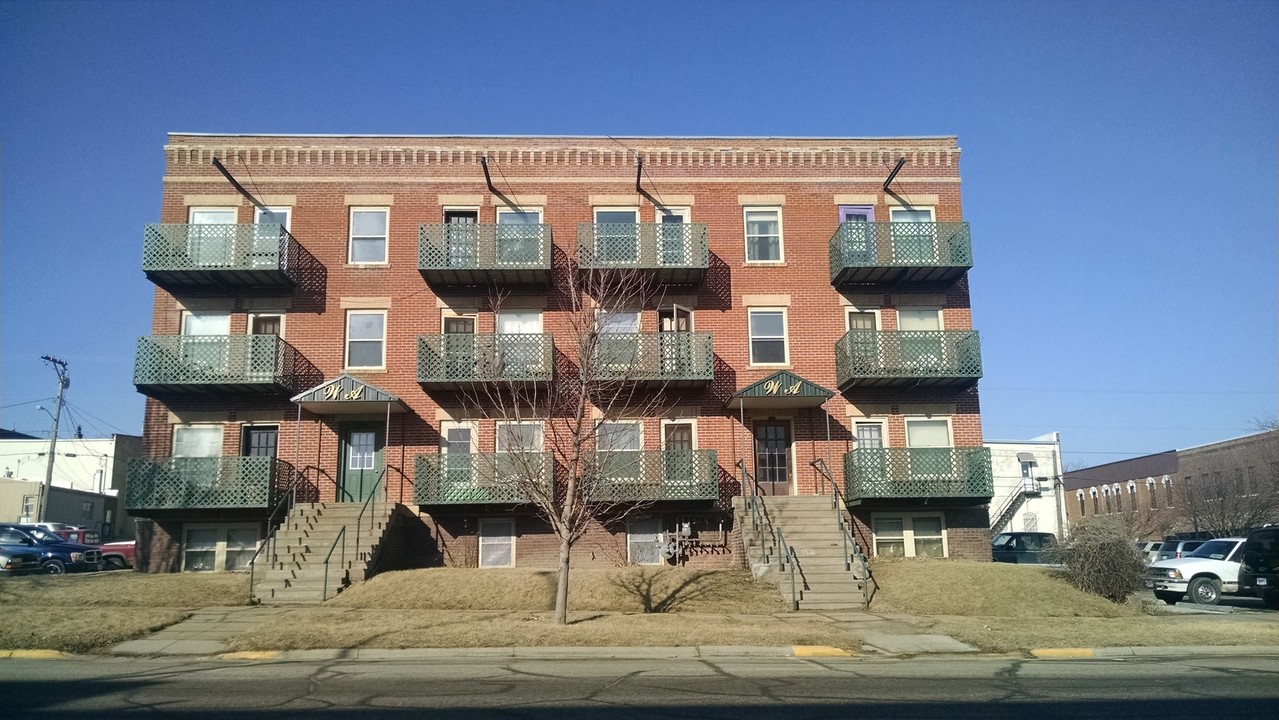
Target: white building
x,y
1028,491
88,477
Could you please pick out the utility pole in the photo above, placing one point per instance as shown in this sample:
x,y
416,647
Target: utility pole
x,y
64,382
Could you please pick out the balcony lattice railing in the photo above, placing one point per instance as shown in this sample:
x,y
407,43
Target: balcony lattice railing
x,y
454,252
645,246
489,478
932,357
647,475
251,251
671,357
945,472
188,483
249,362
887,251
461,358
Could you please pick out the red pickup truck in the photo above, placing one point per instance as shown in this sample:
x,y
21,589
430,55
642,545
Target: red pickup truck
x,y
117,555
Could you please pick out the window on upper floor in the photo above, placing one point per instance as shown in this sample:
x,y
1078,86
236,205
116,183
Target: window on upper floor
x,y
366,339
519,236
369,235
768,344
763,235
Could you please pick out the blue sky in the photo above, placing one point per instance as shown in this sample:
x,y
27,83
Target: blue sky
x,y
1119,164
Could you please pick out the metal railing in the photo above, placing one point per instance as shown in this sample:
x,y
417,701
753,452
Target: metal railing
x,y
466,358
174,247
853,555
484,478
666,356
652,475
282,510
886,355
761,525
370,501
180,483
900,244
788,562
643,245
945,472
226,360
484,247
341,537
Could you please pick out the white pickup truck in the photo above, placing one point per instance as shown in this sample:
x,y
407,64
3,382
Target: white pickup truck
x,y
1205,574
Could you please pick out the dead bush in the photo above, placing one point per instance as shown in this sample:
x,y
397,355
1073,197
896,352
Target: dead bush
x,y
1100,558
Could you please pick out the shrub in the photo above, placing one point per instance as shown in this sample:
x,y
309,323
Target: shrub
x,y
1100,558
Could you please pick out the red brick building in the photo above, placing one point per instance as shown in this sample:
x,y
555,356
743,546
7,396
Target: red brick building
x,y
798,324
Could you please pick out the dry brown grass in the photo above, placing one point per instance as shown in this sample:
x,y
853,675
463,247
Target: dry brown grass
x,y
331,627
126,589
632,589
1022,633
79,630
77,613
984,589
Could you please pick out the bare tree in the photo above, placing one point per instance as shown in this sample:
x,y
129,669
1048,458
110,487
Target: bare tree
x,y
599,370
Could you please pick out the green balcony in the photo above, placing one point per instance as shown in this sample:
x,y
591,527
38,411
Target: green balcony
x,y
470,254
459,360
651,475
673,359
918,473
175,365
506,478
907,358
182,258
195,483
865,253
672,253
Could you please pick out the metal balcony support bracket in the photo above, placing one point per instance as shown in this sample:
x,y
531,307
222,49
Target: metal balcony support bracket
x,y
238,187
893,175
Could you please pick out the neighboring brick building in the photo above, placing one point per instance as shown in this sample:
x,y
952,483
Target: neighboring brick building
x,y
1173,491
799,312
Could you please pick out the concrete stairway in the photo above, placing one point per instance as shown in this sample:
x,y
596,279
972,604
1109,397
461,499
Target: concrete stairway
x,y
808,524
294,574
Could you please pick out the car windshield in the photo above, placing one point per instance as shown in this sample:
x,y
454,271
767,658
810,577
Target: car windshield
x,y
45,537
1214,549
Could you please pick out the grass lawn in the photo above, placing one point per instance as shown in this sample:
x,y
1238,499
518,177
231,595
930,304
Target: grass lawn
x,y
77,613
1001,607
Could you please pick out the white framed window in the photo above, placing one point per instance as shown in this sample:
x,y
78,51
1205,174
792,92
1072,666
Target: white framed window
x,y
616,234
914,234
519,342
273,215
679,434
268,248
197,441
216,548
366,339
209,244
266,324
619,435
644,541
763,234
519,436
204,322
870,434
767,328
497,542
674,237
519,236
909,535
368,236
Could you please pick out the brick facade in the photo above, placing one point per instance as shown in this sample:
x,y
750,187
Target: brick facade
x,y
322,178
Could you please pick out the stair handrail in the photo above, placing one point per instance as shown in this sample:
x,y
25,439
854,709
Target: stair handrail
x,y
372,498
324,592
1010,504
789,562
759,513
272,529
852,551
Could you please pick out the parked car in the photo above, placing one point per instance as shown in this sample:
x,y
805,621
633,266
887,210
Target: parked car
x,y
1174,549
14,561
1023,547
117,555
1205,574
57,556
1149,550
1257,571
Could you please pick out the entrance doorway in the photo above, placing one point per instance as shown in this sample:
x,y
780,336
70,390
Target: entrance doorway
x,y
361,461
773,456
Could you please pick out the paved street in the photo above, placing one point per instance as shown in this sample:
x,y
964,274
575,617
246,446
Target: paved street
x,y
569,689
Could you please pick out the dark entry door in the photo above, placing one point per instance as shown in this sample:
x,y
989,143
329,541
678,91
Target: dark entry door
x,y
772,457
361,461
